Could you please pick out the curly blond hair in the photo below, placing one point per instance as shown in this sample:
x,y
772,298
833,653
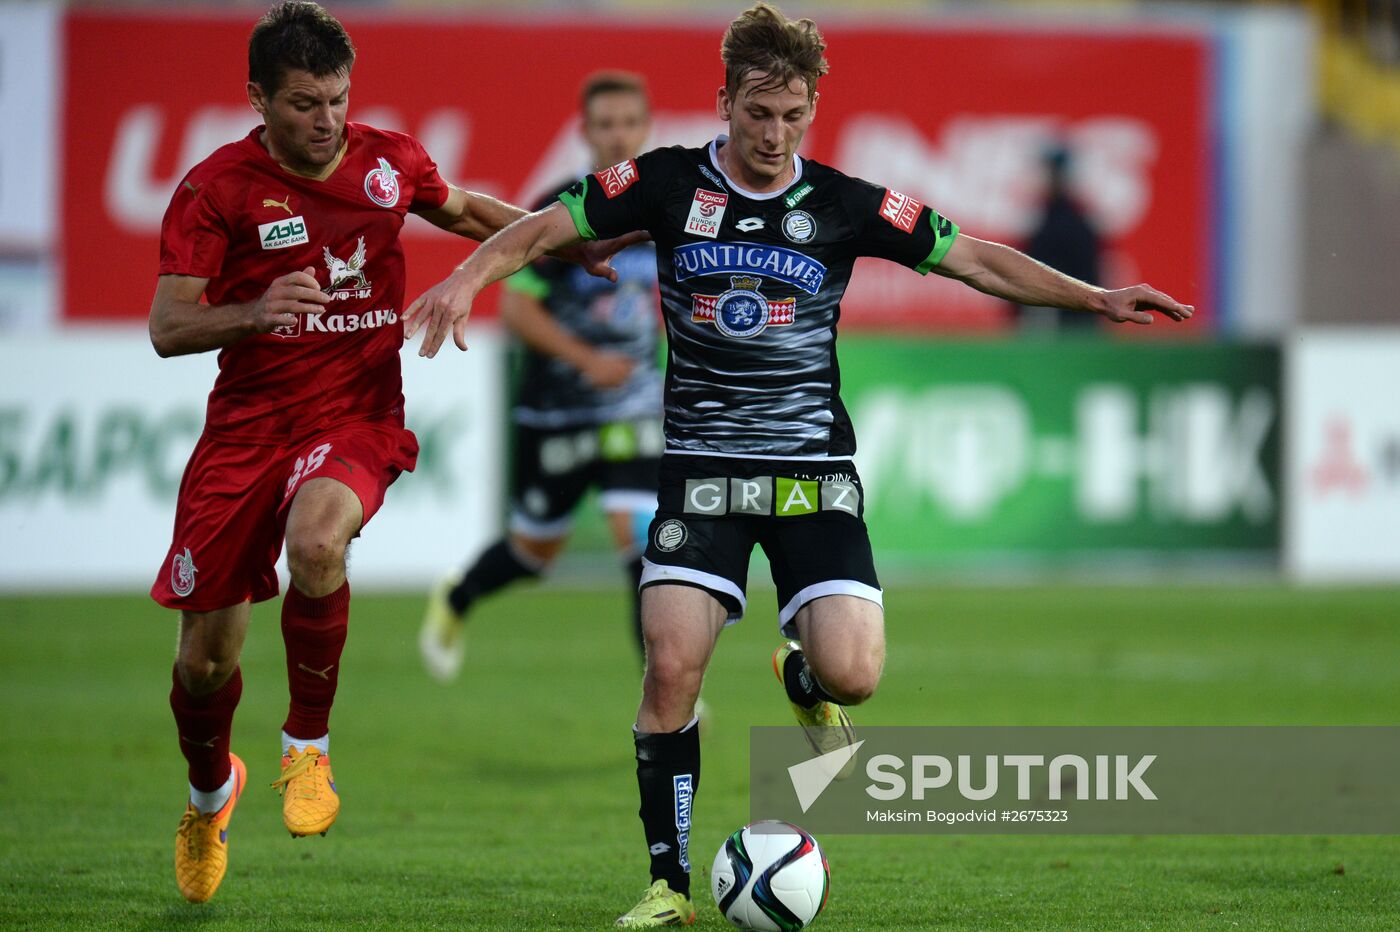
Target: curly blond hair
x,y
764,41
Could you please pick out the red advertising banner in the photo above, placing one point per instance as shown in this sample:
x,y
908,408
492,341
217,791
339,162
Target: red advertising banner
x,y
956,116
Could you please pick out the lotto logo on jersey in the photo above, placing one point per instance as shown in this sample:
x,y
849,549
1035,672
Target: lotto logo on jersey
x,y
900,210
706,213
280,235
617,179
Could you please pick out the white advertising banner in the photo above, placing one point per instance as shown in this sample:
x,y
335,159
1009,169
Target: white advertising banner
x,y
1344,456
95,430
28,153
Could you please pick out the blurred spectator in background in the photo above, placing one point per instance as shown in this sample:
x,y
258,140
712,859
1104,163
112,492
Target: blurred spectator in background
x,y
1065,239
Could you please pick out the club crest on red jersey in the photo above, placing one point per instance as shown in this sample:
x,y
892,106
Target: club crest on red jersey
x,y
182,572
382,184
288,331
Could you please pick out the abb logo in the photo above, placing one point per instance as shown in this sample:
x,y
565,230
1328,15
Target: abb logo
x,y
618,178
900,210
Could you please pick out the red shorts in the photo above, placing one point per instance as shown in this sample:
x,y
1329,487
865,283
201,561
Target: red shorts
x,y
234,498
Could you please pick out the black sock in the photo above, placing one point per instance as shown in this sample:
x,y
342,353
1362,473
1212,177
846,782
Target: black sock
x,y
668,776
634,576
494,569
802,687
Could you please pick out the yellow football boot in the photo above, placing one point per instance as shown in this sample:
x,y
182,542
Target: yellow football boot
x,y
201,843
660,906
442,638
826,725
310,802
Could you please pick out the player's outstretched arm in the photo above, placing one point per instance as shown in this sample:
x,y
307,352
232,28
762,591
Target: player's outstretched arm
x,y
180,325
475,216
445,307
1005,273
479,217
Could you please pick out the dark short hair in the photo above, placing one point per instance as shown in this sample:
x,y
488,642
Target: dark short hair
x,y
761,40
611,82
297,34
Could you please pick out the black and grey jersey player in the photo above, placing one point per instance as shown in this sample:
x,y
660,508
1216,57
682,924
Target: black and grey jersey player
x,y
587,411
754,248
751,286
572,428
554,393
756,433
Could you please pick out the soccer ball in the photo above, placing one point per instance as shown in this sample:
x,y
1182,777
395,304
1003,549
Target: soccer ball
x,y
770,875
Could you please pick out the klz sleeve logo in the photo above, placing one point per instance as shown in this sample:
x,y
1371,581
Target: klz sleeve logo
x,y
900,210
619,178
706,213
382,184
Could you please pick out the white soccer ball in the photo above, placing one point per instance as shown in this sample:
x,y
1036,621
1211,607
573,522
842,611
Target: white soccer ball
x,y
770,875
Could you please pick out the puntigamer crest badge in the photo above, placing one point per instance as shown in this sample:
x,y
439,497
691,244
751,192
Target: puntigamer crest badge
x,y
742,311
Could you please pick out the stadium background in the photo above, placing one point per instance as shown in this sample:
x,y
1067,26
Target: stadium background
x,y
1235,482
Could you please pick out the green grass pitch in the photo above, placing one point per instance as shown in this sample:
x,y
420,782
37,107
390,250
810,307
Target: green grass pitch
x,y
508,800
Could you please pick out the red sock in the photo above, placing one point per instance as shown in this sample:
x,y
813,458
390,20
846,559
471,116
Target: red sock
x,y
314,632
205,723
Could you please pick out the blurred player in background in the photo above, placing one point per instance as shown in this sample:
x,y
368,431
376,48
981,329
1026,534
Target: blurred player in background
x,y
755,246
588,403
292,236
1065,239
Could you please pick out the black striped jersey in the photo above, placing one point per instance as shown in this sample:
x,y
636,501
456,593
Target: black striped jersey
x,y
751,288
620,317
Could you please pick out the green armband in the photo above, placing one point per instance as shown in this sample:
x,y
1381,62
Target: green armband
x,y
573,203
944,232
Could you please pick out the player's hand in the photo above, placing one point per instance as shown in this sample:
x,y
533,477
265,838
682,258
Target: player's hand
x,y
291,294
1136,303
605,369
596,257
442,309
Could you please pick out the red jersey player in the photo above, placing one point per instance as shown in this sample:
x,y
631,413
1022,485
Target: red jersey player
x,y
292,236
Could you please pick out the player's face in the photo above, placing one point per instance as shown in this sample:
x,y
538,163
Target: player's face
x,y
616,126
305,119
766,126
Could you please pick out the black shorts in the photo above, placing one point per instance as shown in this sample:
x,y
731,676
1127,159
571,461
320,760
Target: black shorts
x,y
553,469
807,517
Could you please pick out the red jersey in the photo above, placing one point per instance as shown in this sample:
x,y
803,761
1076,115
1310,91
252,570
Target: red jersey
x,y
241,220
